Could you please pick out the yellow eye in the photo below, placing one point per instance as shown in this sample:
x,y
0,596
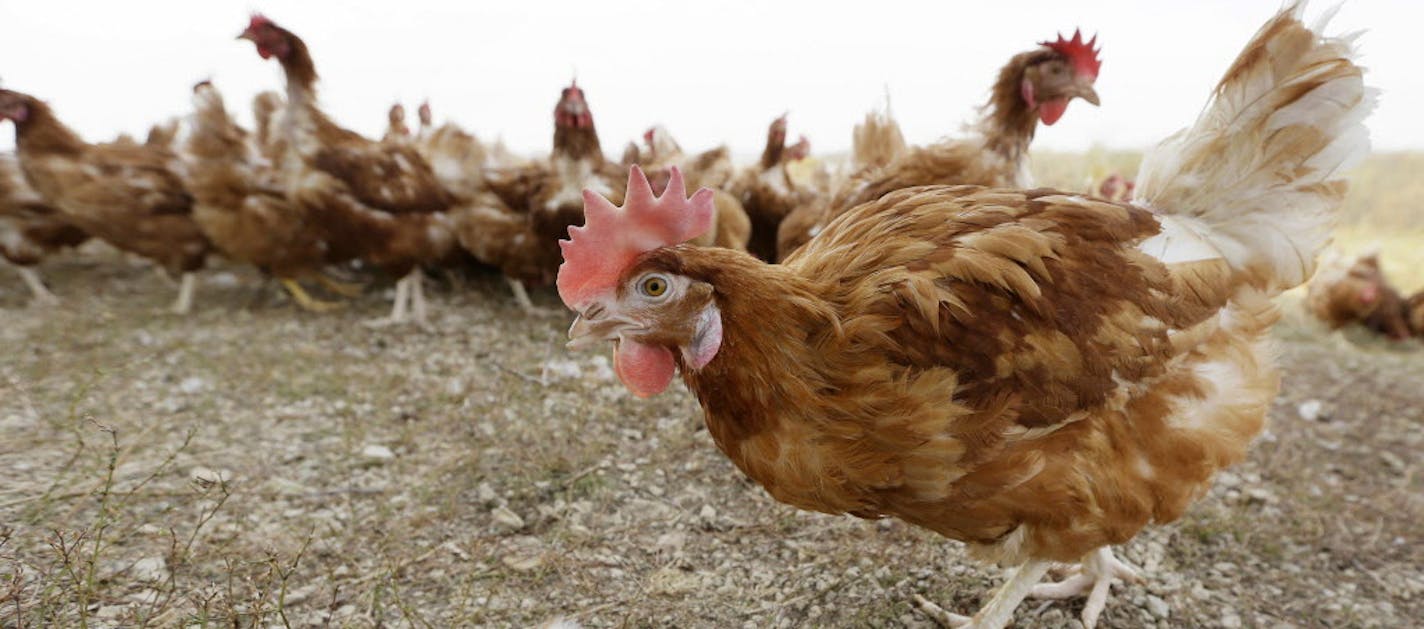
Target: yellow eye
x,y
654,286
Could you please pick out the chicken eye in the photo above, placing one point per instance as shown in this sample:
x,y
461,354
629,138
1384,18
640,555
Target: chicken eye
x,y
653,286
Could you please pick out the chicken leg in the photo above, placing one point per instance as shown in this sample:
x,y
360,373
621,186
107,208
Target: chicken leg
x,y
305,300
1000,609
42,296
189,285
345,289
1093,577
410,300
521,297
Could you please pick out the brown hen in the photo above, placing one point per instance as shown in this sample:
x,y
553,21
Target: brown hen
x,y
1034,373
126,194
1033,86
375,201
30,229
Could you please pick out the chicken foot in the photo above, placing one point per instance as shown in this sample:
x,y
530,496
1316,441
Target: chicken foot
x,y
305,300
40,292
1093,577
410,300
521,297
345,289
1000,609
189,285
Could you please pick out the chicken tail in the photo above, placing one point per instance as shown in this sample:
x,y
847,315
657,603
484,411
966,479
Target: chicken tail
x,y
1260,176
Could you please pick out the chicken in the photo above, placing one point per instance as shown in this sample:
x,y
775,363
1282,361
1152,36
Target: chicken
x,y
1359,292
30,229
767,190
1033,86
530,208
457,156
1034,373
1414,309
267,138
711,168
378,202
124,194
1116,188
731,226
239,208
396,129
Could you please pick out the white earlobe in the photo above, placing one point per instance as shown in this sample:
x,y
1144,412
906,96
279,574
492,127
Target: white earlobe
x,y
706,338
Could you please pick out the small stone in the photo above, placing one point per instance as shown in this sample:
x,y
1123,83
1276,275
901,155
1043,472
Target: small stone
x,y
1392,460
707,513
209,476
377,452
1311,410
507,520
151,569
192,384
1158,607
485,494
1230,620
525,563
562,369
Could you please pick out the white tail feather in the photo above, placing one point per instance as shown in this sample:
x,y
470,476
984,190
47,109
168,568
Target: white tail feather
x,y
1260,176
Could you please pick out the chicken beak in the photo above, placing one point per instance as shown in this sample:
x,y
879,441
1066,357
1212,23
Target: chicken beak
x,y
248,35
587,332
1086,92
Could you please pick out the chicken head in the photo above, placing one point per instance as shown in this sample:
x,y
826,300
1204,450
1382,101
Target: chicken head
x,y
625,293
1066,70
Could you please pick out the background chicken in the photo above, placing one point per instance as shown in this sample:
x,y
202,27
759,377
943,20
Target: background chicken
x,y
396,128
731,226
768,191
532,207
125,194
458,158
30,229
1345,293
1033,86
240,208
375,201
1037,374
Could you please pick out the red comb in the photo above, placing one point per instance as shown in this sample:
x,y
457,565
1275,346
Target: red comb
x,y
1079,53
258,20
596,254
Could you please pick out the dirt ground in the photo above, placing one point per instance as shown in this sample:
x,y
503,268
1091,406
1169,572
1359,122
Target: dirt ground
x,y
252,464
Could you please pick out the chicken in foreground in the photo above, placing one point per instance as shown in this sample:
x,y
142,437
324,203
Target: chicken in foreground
x,y
375,201
1034,86
1034,373
30,229
123,193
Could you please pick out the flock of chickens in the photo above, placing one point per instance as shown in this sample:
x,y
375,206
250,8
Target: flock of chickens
x,y
299,194
1039,374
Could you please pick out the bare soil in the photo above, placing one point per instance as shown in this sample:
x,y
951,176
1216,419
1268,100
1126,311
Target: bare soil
x,y
252,464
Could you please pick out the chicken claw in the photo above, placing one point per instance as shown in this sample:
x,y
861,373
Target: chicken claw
x,y
997,613
305,300
42,296
1093,578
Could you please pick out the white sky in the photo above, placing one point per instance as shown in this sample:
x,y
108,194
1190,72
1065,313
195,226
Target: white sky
x,y
713,72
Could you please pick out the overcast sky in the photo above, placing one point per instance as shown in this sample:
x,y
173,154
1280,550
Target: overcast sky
x,y
712,72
